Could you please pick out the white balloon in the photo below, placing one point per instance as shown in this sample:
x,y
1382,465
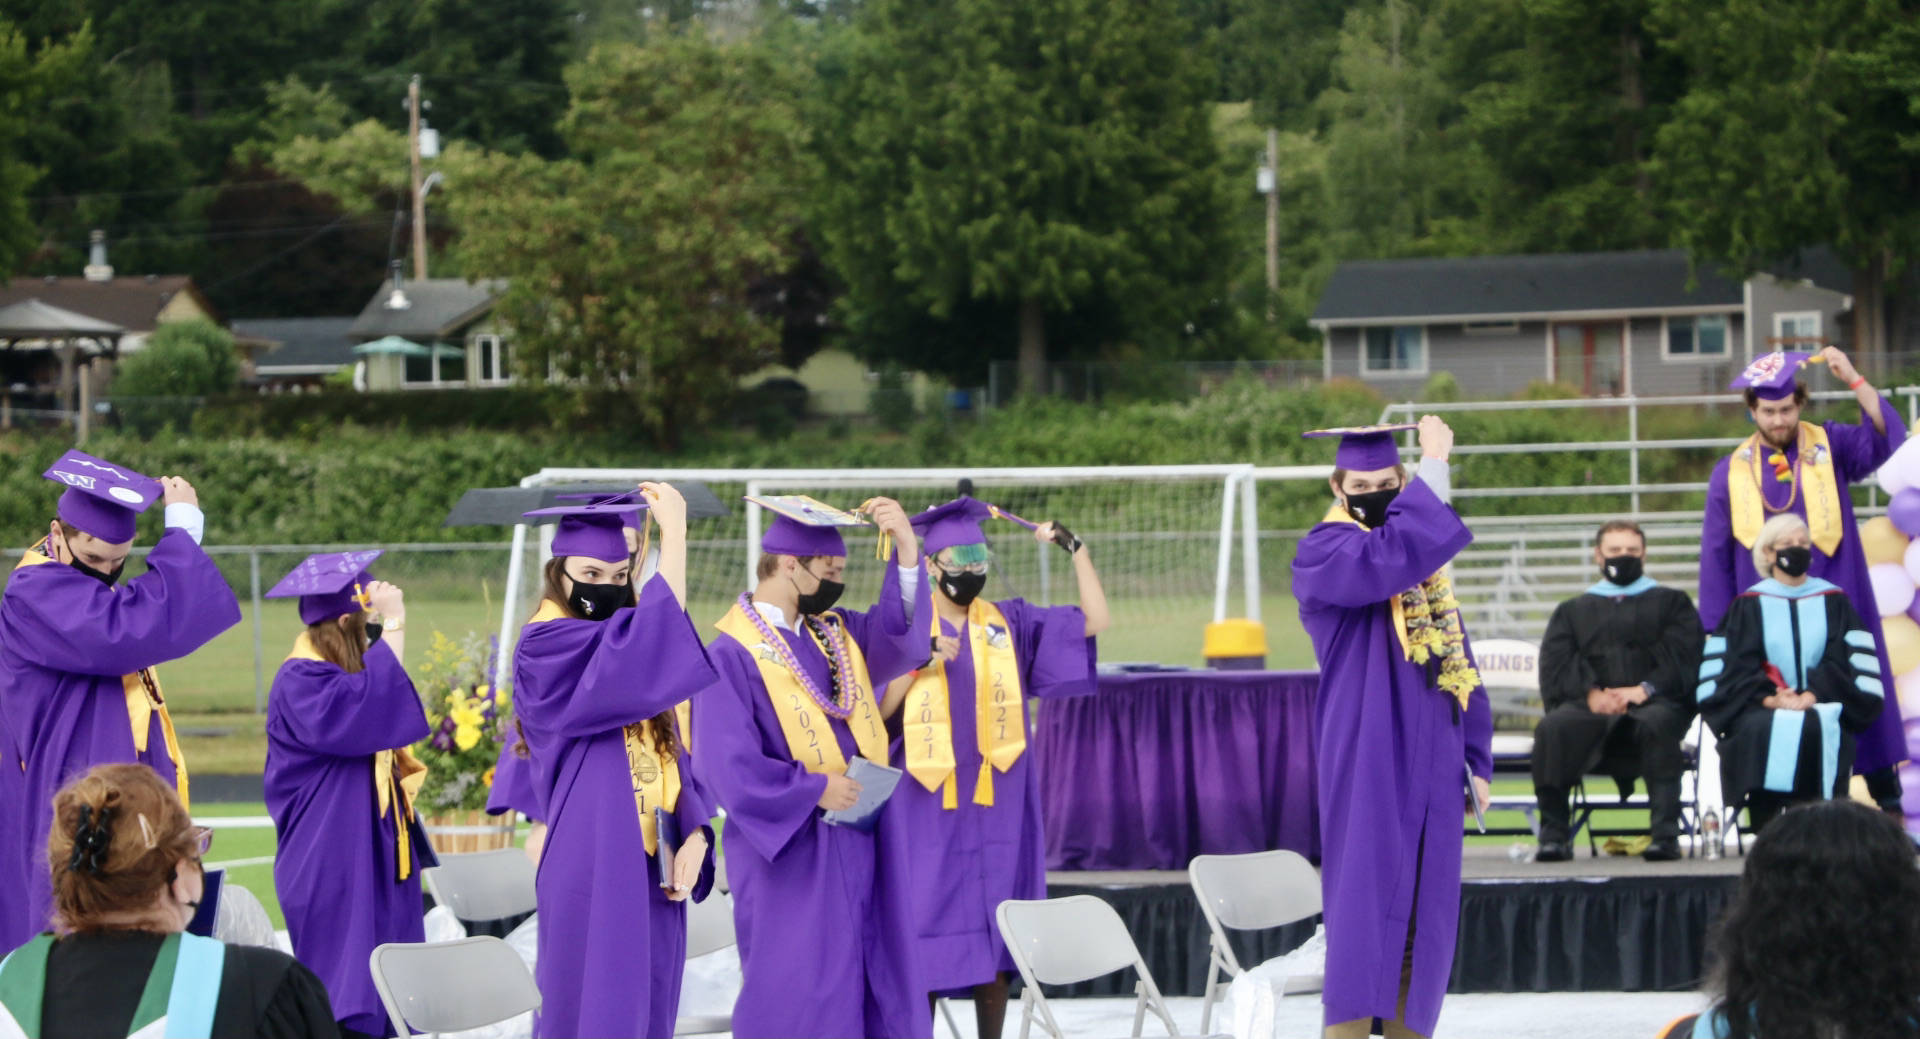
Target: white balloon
x,y
1893,586
1912,561
1907,687
1902,470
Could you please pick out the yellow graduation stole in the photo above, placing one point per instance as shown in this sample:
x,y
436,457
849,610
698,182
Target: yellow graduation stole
x,y
142,690
1817,485
999,715
1426,621
397,776
656,777
809,734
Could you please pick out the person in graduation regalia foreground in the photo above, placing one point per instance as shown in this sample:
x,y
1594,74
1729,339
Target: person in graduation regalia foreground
x,y
597,677
77,653
975,837
1788,681
1402,721
1789,466
822,911
1617,671
127,879
340,781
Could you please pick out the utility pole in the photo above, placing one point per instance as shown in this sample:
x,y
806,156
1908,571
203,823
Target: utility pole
x,y
419,199
1270,182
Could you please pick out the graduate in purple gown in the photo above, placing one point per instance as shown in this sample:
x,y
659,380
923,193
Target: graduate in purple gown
x,y
1792,466
340,781
78,649
974,835
596,679
1402,719
822,911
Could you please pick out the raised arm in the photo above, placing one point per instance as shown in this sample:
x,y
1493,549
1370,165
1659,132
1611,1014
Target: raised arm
x,y
577,678
1340,564
1093,597
323,708
1869,444
669,510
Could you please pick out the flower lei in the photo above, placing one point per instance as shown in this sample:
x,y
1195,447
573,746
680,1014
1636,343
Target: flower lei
x,y
1434,630
839,705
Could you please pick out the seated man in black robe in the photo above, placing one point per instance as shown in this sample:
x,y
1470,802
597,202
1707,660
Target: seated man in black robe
x,y
1617,674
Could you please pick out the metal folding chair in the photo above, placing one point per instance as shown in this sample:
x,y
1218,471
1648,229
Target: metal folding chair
x,y
1061,941
709,930
1246,893
483,885
451,986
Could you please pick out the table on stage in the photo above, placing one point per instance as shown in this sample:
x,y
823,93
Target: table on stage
x,y
1157,767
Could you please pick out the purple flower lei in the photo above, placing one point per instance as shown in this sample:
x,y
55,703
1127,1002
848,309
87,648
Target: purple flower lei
x,y
834,638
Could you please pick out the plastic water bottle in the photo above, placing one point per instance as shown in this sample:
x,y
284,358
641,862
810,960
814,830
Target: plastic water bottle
x,y
1710,833
1521,852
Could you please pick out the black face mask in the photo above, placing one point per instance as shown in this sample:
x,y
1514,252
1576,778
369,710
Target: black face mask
x,y
104,577
374,628
596,602
821,599
1622,570
962,587
1371,508
1793,561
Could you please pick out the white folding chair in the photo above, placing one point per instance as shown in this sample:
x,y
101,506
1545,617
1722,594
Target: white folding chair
x,y
1246,893
451,986
483,885
1061,941
709,930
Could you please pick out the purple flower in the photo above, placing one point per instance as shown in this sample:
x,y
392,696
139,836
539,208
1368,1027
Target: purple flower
x,y
443,740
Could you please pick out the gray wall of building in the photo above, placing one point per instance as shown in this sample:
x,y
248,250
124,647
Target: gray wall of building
x,y
1486,364
1772,296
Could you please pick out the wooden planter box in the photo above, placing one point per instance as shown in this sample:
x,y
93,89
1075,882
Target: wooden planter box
x,y
456,833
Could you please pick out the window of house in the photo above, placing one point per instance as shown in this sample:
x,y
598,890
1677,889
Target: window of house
x,y
1400,349
490,356
1801,325
1702,336
419,370
453,366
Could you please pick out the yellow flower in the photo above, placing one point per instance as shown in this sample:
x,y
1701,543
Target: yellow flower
x,y
487,777
466,717
480,692
465,736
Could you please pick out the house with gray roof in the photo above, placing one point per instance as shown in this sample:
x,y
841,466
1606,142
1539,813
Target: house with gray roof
x,y
305,351
437,333
1647,323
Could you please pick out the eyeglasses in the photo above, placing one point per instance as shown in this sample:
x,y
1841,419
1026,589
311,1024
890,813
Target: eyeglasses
x,y
970,568
201,841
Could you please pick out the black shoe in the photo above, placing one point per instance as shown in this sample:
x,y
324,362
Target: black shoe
x,y
1662,851
1554,851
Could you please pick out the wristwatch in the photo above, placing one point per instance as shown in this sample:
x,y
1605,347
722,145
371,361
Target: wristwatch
x,y
392,625
1648,686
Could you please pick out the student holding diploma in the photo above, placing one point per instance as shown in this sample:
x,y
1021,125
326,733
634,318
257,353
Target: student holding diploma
x,y
597,676
971,809
822,911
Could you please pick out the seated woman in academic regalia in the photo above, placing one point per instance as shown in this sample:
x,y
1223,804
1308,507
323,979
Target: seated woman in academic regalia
x,y
340,781
127,879
1788,681
597,677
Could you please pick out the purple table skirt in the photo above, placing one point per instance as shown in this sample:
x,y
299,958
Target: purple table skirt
x,y
1156,768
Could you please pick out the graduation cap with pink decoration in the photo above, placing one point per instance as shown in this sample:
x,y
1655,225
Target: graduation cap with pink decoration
x,y
1772,376
101,498
1365,448
330,584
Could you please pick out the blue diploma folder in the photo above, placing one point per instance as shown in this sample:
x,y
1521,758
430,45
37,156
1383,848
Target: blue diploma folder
x,y
876,785
209,909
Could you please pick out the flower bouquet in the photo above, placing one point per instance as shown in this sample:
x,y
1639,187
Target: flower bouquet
x,y
471,720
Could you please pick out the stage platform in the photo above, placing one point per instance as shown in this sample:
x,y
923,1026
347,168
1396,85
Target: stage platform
x,y
1611,923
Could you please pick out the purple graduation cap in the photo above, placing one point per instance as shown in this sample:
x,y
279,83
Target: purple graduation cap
x,y
1365,448
804,526
331,584
594,531
101,499
1771,376
952,525
633,520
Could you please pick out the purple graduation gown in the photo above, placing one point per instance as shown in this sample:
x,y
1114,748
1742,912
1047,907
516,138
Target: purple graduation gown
x,y
336,870
512,789
822,912
1726,566
1391,748
612,947
967,861
66,643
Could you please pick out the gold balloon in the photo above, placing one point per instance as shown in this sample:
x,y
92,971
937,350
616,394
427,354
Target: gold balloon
x,y
1883,541
1903,642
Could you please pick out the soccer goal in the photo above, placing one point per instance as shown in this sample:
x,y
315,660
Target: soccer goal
x,y
1172,543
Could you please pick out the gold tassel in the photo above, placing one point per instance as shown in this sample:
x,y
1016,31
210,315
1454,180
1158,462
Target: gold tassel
x,y
950,792
983,787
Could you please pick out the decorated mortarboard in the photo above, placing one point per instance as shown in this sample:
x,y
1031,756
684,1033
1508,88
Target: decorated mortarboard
x,y
805,526
331,584
101,498
634,520
1365,448
1771,376
593,531
955,524
508,506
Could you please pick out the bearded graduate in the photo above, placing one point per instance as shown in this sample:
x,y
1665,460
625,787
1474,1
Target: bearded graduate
x,y
340,780
971,810
1402,719
1788,681
822,911
78,649
597,675
1792,467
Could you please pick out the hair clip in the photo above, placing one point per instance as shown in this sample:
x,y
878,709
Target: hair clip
x,y
90,841
146,831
